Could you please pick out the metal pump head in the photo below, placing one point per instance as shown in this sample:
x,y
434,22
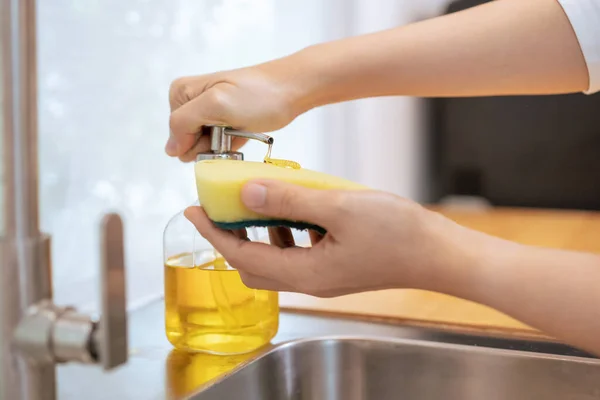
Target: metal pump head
x,y
220,142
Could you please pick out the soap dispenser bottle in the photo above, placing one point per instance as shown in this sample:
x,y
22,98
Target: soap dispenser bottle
x,y
207,306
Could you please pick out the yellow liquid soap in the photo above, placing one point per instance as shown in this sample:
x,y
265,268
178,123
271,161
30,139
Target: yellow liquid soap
x,y
280,163
186,372
209,309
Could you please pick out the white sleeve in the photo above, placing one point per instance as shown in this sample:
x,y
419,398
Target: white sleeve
x,y
584,16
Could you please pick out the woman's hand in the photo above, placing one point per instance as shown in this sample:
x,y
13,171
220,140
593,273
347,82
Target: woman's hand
x,y
254,99
375,241
378,241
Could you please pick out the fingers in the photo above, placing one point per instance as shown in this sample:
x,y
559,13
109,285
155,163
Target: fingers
x,y
293,202
258,282
186,122
183,89
202,144
260,259
315,237
241,233
281,237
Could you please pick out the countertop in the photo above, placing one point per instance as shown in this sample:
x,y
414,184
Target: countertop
x,y
156,371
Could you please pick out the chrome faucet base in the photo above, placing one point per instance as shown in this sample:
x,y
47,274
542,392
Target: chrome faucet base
x,y
36,336
20,282
49,334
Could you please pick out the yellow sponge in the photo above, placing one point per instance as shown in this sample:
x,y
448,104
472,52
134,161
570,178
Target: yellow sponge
x,y
219,183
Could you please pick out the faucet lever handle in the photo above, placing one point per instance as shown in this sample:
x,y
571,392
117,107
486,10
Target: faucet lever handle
x,y
111,338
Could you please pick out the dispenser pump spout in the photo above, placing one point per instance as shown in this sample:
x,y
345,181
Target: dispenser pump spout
x,y
220,142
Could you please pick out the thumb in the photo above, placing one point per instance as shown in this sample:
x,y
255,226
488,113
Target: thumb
x,y
292,202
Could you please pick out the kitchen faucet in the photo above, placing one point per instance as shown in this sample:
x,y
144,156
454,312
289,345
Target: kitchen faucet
x,y
35,333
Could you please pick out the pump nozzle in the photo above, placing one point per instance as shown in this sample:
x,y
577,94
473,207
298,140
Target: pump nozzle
x,y
220,142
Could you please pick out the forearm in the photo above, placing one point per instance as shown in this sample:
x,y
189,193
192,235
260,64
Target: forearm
x,y
504,47
552,290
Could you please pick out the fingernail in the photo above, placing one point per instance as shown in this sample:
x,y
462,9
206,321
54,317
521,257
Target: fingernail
x,y
171,147
187,213
254,195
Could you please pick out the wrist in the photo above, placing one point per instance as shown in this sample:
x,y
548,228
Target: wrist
x,y
310,83
295,78
464,260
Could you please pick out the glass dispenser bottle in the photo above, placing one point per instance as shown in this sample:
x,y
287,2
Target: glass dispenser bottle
x,y
207,306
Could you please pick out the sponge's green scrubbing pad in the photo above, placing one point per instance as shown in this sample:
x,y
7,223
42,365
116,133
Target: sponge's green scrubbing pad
x,y
269,222
219,184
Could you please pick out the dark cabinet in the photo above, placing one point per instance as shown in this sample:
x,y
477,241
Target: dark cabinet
x,y
532,151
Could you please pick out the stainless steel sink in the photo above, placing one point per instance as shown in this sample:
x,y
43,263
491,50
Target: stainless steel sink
x,y
362,368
